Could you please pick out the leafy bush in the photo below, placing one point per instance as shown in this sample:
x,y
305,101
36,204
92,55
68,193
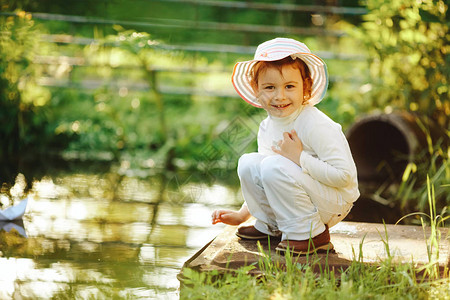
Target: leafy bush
x,y
407,43
23,113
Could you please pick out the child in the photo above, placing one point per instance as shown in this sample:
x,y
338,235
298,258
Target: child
x,y
302,180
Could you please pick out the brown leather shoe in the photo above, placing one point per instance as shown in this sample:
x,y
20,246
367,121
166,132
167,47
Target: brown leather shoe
x,y
319,242
250,233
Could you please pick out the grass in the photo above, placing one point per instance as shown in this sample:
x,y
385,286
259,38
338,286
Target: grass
x,y
384,280
432,165
359,281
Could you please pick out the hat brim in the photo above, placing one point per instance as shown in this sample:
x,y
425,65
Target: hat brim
x,y
317,67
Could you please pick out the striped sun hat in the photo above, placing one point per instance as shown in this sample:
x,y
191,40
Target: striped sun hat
x,y
277,49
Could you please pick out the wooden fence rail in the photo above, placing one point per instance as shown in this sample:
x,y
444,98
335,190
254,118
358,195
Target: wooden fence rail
x,y
213,48
286,7
185,24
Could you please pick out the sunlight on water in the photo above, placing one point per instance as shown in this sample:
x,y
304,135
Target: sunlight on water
x,y
47,189
34,281
106,236
77,211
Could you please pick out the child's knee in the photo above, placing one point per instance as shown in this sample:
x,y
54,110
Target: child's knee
x,y
247,163
275,167
270,167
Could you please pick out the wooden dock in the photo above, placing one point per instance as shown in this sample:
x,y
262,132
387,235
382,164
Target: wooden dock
x,y
366,242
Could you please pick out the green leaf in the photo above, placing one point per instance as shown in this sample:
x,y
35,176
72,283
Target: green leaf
x,y
428,17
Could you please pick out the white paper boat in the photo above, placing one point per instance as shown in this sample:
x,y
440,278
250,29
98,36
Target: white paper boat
x,y
14,212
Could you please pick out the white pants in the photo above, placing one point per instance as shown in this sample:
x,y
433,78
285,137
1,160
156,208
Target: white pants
x,y
284,199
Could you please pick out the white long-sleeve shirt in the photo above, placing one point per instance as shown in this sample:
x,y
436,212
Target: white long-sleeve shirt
x,y
326,155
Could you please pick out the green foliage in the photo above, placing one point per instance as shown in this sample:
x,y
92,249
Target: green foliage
x,y
435,221
23,115
150,121
431,164
408,48
138,44
19,45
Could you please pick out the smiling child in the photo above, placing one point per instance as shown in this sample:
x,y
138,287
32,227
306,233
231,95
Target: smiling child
x,y
302,180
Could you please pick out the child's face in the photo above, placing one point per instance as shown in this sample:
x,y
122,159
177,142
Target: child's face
x,y
280,94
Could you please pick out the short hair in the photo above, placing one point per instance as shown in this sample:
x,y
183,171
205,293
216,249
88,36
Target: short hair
x,y
299,64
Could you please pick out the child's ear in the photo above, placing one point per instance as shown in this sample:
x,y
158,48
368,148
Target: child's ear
x,y
307,86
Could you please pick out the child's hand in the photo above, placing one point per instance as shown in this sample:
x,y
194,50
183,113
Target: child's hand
x,y
290,147
229,217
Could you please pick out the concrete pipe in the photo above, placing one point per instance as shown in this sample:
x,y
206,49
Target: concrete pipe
x,y
383,144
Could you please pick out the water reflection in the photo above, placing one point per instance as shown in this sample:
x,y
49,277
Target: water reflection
x,y
106,236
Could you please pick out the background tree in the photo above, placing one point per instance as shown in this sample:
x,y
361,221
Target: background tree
x,y
22,99
407,44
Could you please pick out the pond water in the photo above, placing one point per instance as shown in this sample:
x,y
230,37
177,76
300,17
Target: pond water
x,y
105,236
